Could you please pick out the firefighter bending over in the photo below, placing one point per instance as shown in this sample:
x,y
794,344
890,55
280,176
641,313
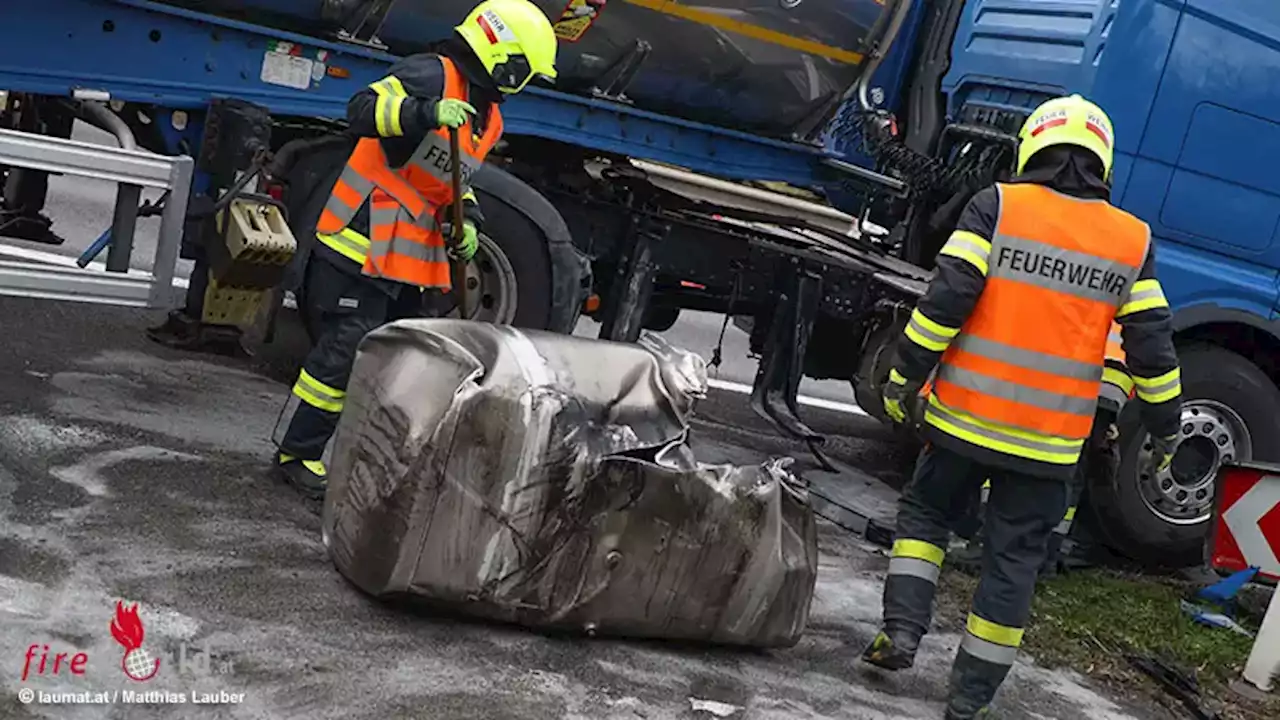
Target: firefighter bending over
x,y
381,233
1016,321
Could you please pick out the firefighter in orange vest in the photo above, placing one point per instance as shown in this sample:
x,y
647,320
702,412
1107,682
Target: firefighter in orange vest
x,y
1016,320
382,232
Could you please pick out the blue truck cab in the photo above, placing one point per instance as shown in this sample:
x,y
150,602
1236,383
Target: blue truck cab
x,y
1190,86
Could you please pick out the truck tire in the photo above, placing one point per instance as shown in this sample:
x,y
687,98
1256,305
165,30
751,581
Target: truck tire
x,y
1229,405
525,237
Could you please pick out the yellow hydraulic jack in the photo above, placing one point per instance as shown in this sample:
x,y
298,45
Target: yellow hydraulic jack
x,y
249,262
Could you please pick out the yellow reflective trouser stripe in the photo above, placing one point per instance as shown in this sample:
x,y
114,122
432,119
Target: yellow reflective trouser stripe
x,y
1119,378
386,114
994,632
927,333
992,642
918,549
1161,388
916,558
1144,295
317,394
970,247
896,377
1002,438
348,243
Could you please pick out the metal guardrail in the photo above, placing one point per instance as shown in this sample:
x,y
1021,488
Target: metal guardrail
x,y
130,170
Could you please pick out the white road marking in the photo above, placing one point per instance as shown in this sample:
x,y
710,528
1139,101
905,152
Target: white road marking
x,y
817,402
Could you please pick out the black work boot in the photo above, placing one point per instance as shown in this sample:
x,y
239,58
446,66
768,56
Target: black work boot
x,y
308,476
892,649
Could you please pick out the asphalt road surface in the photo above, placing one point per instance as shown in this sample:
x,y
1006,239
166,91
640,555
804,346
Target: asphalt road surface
x,y
132,472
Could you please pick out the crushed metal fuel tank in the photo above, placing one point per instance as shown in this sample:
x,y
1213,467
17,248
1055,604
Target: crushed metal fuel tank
x,y
759,66
546,480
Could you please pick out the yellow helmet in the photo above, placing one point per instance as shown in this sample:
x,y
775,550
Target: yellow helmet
x,y
1068,120
514,40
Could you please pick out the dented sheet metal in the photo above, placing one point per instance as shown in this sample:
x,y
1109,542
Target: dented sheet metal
x,y
546,480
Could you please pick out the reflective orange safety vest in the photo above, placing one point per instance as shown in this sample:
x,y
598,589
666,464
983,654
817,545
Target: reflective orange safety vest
x,y
1023,375
406,204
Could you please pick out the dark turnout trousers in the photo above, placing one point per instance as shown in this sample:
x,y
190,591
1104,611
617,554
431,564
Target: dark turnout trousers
x,y
339,309
1021,513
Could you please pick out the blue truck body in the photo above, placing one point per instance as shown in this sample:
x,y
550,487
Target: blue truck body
x,y
183,59
1189,84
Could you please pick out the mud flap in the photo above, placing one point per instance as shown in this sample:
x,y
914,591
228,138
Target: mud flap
x,y
777,381
545,479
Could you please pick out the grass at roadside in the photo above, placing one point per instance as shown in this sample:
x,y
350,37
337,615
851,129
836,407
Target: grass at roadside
x,y
1089,620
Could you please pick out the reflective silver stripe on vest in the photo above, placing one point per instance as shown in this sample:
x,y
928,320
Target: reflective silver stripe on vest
x,y
1065,447
914,567
994,350
1114,337
989,651
1061,270
994,387
432,156
356,182
401,246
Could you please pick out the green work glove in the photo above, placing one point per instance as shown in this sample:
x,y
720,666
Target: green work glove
x,y
1162,452
898,395
466,248
453,113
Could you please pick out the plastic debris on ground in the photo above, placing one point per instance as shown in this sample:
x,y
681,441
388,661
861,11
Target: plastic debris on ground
x,y
1221,601
1212,618
547,480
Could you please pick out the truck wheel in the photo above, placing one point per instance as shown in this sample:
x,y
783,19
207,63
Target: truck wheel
x,y
526,271
1228,413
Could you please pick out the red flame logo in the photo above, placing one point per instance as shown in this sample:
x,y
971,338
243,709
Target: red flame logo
x,y
126,628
